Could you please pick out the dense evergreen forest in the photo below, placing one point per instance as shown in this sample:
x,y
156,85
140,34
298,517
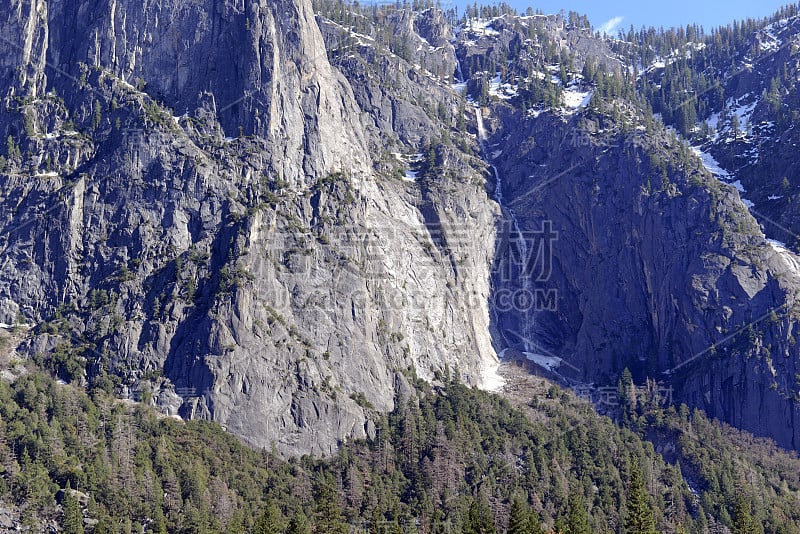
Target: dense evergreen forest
x,y
447,459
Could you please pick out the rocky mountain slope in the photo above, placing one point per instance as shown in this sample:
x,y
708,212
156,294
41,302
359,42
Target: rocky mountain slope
x,y
260,213
743,95
656,263
190,210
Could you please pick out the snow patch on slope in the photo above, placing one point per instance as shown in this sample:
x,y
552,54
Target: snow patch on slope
x,y
712,165
575,99
490,378
409,160
743,111
551,363
482,26
503,91
790,260
460,87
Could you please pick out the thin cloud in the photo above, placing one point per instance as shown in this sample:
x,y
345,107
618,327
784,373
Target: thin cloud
x,y
610,26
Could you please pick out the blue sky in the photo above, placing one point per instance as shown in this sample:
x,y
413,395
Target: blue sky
x,y
708,13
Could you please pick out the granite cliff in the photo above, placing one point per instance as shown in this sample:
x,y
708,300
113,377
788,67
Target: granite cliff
x,y
191,212
269,216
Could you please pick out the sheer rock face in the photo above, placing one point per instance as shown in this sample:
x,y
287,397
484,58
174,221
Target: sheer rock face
x,y
663,271
264,62
194,210
653,277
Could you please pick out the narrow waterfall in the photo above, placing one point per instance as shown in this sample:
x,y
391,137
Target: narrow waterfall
x,y
518,239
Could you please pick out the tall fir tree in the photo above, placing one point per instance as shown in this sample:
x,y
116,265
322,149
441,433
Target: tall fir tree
x,y
328,512
743,521
577,517
479,519
73,518
640,518
523,520
298,524
271,520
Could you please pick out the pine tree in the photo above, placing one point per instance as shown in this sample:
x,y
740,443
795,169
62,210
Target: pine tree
x,y
522,519
271,520
534,523
626,393
640,514
577,518
103,527
298,524
159,521
589,69
97,118
479,519
328,513
743,521
73,518
12,148
462,121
